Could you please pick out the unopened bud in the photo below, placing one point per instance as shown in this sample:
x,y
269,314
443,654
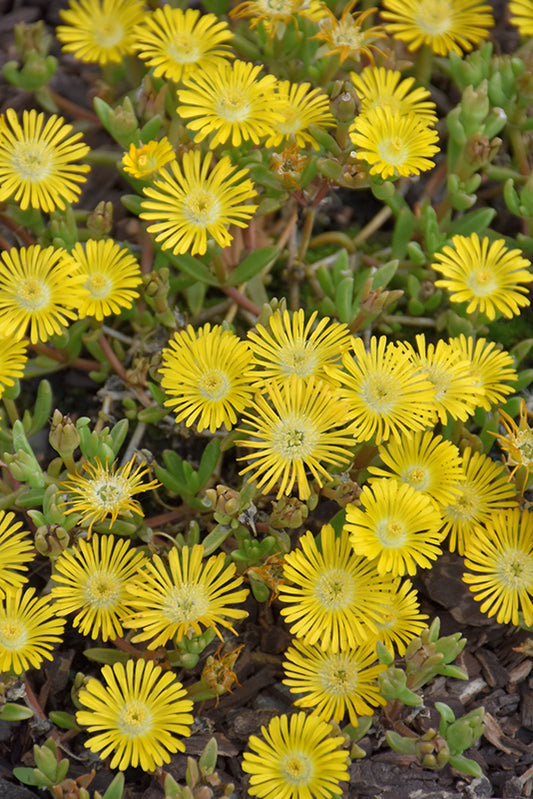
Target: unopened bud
x,y
64,436
51,540
100,221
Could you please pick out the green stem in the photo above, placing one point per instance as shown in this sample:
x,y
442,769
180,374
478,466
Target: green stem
x,y
424,65
11,409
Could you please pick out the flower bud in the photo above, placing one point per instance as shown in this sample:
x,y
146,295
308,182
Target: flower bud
x,y
51,540
64,436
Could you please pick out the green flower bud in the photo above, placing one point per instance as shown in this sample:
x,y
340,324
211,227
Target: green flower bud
x,y
64,436
51,540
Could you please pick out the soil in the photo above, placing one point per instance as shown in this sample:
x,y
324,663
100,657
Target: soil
x,y
500,676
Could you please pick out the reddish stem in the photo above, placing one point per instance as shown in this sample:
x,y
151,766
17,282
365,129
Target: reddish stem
x,y
18,230
74,109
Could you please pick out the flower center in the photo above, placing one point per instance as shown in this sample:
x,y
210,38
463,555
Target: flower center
x,y
33,160
466,506
337,675
392,150
33,295
482,282
108,493
233,105
102,589
134,719
214,385
348,35
184,49
99,286
13,634
292,121
108,32
515,570
294,438
434,17
334,589
418,477
298,359
297,768
201,207
391,533
379,393
185,603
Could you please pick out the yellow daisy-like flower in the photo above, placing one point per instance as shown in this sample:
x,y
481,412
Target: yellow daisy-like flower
x,y
346,37
334,683
446,27
377,86
399,526
38,161
13,358
490,369
105,491
16,549
298,757
91,581
424,461
275,15
38,289
486,275
29,630
111,276
137,715
172,603
100,31
456,393
517,443
196,202
522,16
394,144
298,106
385,392
291,346
335,597
483,490
400,620
204,373
148,159
175,43
292,428
499,557
231,102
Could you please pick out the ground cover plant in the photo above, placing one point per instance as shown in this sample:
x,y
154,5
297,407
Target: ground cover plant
x,y
265,443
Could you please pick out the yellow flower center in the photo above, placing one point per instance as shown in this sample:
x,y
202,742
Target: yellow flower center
x,y
347,34
482,282
297,768
515,570
102,589
292,120
100,286
298,359
334,589
418,477
294,437
134,719
391,533
33,294
184,49
233,105
379,393
13,634
392,150
186,603
201,208
284,7
338,675
214,385
434,17
465,507
108,31
108,492
33,160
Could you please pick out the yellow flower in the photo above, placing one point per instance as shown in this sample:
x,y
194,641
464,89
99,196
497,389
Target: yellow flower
x,y
175,42
489,368
424,461
385,392
346,36
377,86
13,358
38,289
517,443
111,276
29,630
146,159
231,102
204,373
38,166
194,203
450,26
297,758
176,602
486,275
399,526
298,106
335,597
457,394
105,491
394,144
400,620
91,581
500,555
482,490
16,549
292,428
334,683
522,16
99,31
277,14
136,715
291,346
